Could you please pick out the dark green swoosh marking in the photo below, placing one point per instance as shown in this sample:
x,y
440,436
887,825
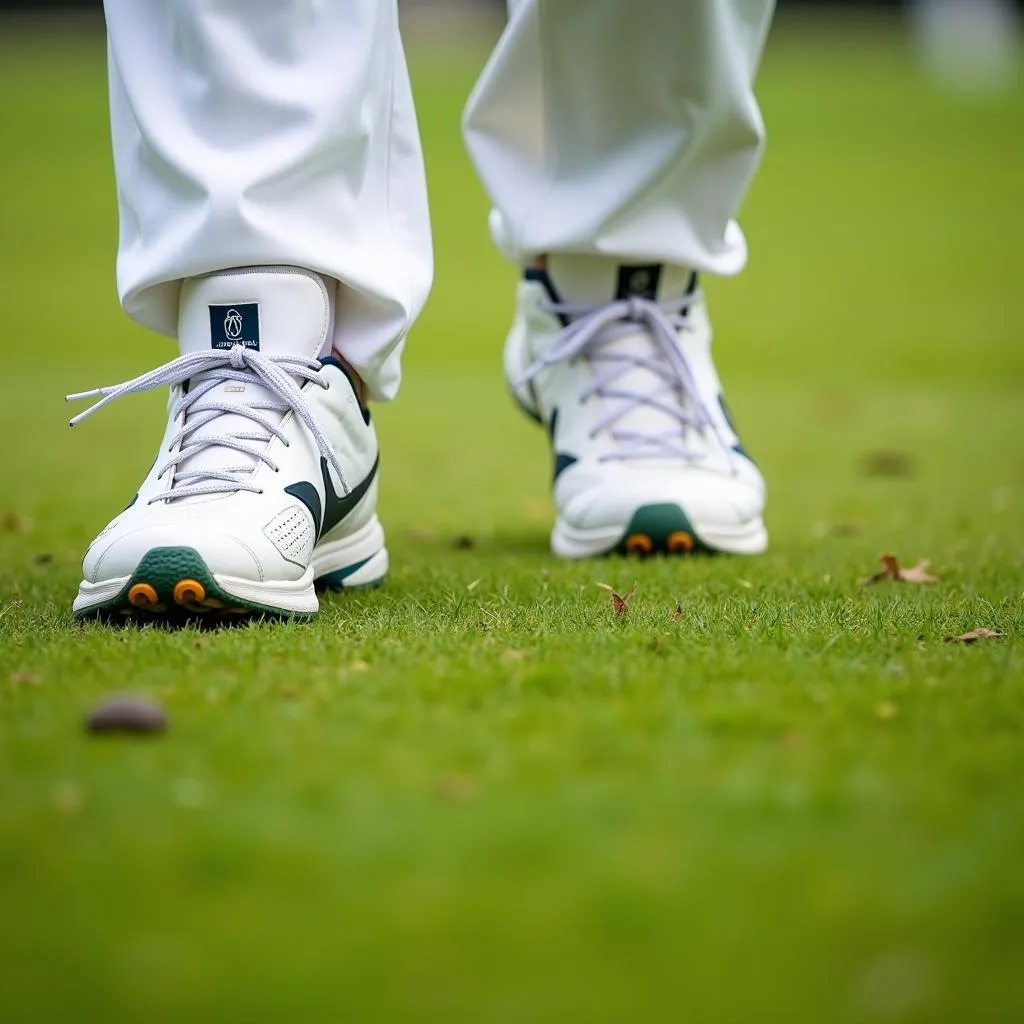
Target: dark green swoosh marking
x,y
336,507
738,446
563,460
308,495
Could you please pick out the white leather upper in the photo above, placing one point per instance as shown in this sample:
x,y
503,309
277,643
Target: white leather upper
x,y
265,533
718,485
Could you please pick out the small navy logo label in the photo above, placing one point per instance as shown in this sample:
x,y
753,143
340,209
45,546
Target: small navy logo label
x,y
639,281
235,325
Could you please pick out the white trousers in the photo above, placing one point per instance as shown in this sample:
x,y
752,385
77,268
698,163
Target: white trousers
x,y
283,132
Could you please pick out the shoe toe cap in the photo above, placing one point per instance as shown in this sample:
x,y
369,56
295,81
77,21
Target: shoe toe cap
x,y
708,499
116,554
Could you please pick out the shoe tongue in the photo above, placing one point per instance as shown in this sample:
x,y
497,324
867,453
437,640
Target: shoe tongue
x,y
276,311
597,279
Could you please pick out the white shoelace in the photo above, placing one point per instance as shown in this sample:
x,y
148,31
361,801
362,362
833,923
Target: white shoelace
x,y
206,371
591,328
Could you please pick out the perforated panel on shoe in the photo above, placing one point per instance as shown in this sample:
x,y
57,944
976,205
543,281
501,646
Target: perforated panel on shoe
x,y
293,534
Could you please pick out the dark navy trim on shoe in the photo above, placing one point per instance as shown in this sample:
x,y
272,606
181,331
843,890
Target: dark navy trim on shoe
x,y
352,380
542,277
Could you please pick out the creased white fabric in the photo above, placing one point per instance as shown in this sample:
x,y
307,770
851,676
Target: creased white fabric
x,y
252,132
249,132
625,128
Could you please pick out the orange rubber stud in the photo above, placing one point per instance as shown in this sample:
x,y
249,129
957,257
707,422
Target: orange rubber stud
x,y
680,540
142,595
639,544
189,592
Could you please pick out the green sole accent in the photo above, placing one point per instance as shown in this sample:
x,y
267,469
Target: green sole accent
x,y
336,580
170,580
660,530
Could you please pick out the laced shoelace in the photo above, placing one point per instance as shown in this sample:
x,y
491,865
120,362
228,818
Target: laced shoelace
x,y
206,371
590,329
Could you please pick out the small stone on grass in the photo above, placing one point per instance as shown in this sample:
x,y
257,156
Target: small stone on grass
x,y
126,713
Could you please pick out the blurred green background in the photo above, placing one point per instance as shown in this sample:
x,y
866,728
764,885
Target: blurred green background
x,y
475,794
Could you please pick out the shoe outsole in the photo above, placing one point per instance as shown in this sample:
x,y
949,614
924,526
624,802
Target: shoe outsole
x,y
661,529
175,583
657,529
340,579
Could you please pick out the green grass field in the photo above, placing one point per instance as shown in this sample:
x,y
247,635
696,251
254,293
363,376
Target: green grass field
x,y
476,794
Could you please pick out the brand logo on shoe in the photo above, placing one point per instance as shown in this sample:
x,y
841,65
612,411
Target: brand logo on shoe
x,y
336,506
235,325
638,281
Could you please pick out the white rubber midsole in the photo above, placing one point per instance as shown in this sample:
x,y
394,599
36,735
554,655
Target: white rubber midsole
x,y
90,594
571,542
285,595
365,545
297,596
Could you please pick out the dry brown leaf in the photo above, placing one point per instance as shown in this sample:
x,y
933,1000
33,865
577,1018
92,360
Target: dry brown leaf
x,y
844,530
620,602
891,570
887,463
973,635
14,522
918,573
23,678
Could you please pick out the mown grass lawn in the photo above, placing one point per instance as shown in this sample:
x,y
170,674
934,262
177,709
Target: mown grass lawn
x,y
477,794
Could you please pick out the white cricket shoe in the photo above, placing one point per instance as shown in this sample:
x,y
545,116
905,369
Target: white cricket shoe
x,y
265,483
646,456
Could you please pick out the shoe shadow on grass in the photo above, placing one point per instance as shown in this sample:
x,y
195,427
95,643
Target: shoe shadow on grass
x,y
180,623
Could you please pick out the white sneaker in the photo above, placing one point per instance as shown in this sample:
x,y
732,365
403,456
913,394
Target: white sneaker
x,y
266,479
646,456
